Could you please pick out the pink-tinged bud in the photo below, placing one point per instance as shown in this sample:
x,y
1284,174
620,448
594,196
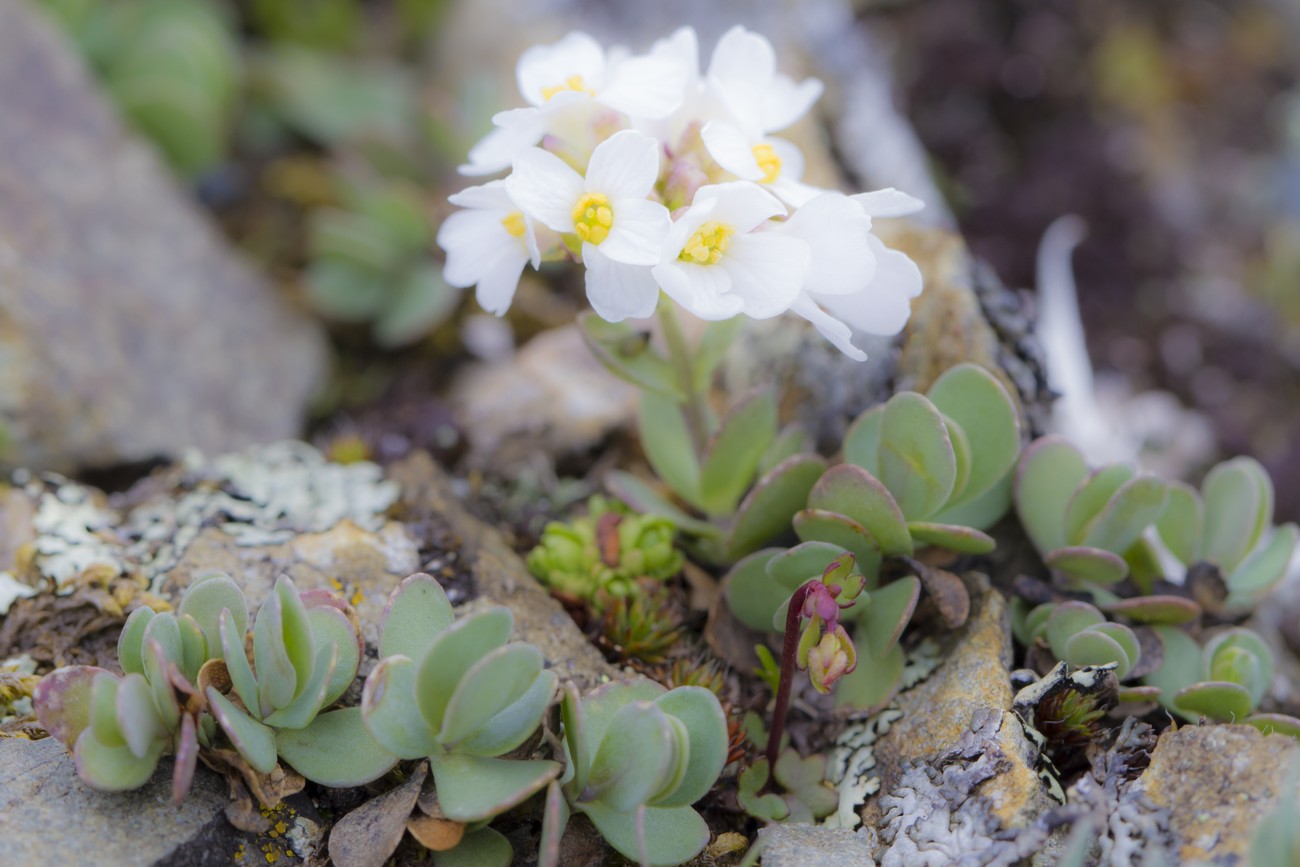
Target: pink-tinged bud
x,y
830,659
820,602
808,639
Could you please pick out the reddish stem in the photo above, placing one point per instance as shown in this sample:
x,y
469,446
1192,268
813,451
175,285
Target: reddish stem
x,y
789,649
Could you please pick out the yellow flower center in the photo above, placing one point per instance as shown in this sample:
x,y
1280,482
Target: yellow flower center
x,y
514,223
768,161
592,218
708,244
573,82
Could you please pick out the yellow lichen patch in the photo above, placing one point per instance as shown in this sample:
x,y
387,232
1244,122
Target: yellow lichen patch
x,y
708,244
514,224
573,83
593,218
768,162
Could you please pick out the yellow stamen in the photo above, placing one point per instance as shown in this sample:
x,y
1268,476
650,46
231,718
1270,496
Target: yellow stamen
x,y
768,161
708,244
573,82
514,223
592,218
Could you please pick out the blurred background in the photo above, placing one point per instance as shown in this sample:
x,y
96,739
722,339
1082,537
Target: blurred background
x,y
323,135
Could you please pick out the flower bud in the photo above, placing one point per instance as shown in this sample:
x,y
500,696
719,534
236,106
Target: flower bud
x,y
830,659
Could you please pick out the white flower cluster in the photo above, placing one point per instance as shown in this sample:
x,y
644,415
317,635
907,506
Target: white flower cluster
x,y
656,176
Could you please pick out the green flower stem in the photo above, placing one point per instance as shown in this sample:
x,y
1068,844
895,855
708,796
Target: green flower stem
x,y
696,406
789,649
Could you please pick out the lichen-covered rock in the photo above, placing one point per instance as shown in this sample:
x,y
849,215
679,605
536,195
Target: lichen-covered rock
x,y
1217,782
128,330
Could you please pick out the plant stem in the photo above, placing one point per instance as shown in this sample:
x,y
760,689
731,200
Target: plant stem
x,y
789,648
696,403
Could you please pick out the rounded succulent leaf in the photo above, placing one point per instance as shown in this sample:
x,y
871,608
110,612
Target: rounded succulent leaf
x,y
862,440
452,653
302,710
137,719
1129,511
1274,723
1218,700
888,612
277,678
1238,499
765,512
62,701
113,767
1263,568
253,740
1066,620
498,680
103,711
1090,497
982,512
1155,610
851,491
417,611
1093,647
475,788
599,707
638,751
964,540
752,594
666,439
130,644
960,451
917,462
1182,665
156,667
331,628
485,847
1181,524
732,456
335,750
297,637
515,724
791,568
194,647
1082,566
392,713
205,599
701,713
236,659
819,525
874,681
672,835
1239,641
1050,470
975,399
164,629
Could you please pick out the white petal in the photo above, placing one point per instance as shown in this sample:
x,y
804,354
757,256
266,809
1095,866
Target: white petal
x,y
700,289
625,165
731,149
888,202
791,158
489,196
638,234
618,291
832,329
742,205
544,66
742,55
646,87
545,188
794,193
896,269
838,234
685,226
783,101
498,149
472,240
684,46
767,271
497,285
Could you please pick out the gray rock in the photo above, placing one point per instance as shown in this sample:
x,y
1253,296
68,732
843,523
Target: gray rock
x,y
128,330
812,846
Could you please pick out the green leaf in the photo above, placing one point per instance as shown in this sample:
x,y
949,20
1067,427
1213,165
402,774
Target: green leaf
x,y
795,566
851,491
130,644
417,611
277,678
732,457
862,440
1082,566
1091,497
62,701
917,463
1248,641
164,629
344,291
888,612
299,642
792,440
1236,493
1181,524
875,680
164,694
1274,723
766,808
769,507
482,848
254,741
136,717
332,628
954,538
113,767
1134,507
555,819
474,788
1181,667
452,654
981,405
961,452
701,714
1218,700
626,353
672,835
493,683
820,525
1065,621
302,710
578,747
1262,569
1094,647
391,712
335,750
241,673
204,601
1156,610
666,441
603,703
420,301
644,499
1050,470
982,512
633,759
511,727
714,343
752,595
194,647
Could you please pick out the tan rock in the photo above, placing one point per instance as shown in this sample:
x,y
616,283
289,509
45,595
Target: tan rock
x,y
1217,782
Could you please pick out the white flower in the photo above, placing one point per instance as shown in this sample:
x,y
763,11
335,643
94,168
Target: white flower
x,y
488,244
569,85
854,281
716,265
773,162
620,230
743,70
